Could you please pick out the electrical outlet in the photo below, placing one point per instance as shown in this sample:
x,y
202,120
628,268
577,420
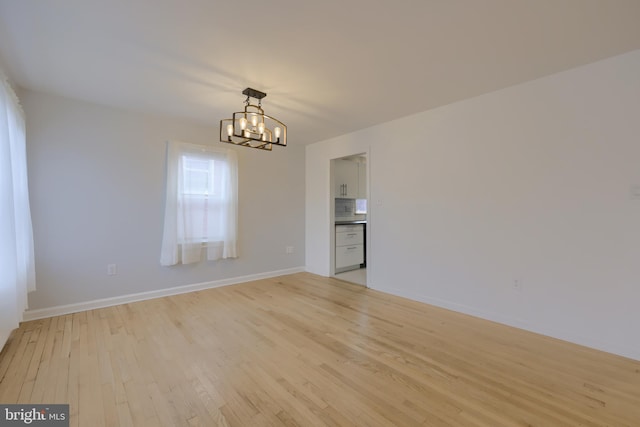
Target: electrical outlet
x,y
517,285
288,249
112,270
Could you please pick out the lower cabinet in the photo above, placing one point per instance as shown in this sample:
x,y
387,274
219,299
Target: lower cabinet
x,y
349,247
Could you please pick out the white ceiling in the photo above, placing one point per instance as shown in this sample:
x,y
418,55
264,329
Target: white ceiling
x,y
329,67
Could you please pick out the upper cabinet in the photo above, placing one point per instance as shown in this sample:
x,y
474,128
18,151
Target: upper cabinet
x,y
346,178
350,178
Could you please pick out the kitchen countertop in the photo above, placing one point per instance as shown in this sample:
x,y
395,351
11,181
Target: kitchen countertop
x,y
347,222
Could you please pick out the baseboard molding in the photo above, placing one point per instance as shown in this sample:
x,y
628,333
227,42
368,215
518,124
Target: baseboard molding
x,y
558,333
125,299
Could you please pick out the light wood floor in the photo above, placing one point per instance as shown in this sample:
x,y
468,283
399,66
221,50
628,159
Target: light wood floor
x,y
358,276
309,351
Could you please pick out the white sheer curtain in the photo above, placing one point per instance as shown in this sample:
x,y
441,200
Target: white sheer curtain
x,y
201,204
17,270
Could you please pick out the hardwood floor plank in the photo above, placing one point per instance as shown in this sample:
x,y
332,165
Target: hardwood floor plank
x,y
14,378
305,350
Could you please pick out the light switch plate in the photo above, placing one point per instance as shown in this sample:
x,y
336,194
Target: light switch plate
x,y
112,269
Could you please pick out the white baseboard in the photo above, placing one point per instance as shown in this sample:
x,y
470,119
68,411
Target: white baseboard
x,y
125,299
550,331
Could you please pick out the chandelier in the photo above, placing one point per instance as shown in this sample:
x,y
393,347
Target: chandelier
x,y
252,127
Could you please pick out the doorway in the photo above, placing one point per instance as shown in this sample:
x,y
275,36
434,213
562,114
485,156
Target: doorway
x,y
350,218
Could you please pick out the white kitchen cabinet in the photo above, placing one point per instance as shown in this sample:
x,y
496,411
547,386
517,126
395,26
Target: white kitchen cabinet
x,y
351,235
349,257
345,175
349,247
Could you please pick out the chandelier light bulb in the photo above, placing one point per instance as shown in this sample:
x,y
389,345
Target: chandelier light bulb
x,y
229,130
276,132
254,120
261,128
243,123
246,134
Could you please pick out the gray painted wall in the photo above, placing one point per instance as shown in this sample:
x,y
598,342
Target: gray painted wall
x,y
538,183
96,177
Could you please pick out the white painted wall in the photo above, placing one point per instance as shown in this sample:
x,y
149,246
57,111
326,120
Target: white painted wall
x,y
96,178
533,182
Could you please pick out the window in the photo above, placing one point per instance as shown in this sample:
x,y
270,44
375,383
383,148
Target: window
x,y
201,204
203,201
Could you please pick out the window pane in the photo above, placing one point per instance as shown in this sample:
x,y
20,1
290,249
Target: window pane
x,y
203,199
196,176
